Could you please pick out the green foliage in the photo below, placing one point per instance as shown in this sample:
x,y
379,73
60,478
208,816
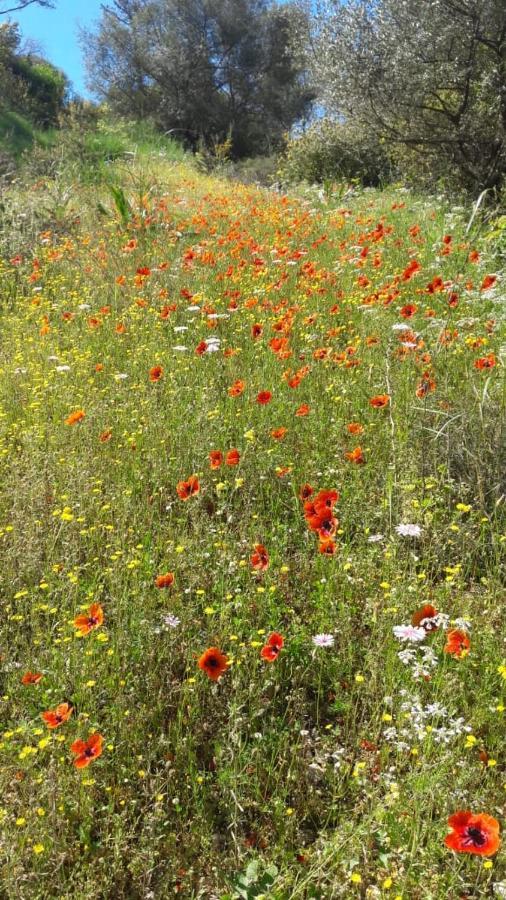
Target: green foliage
x,y
428,79
91,140
122,204
332,151
33,97
255,882
18,134
46,88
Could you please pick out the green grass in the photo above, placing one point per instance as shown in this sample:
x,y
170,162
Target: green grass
x,y
287,765
17,134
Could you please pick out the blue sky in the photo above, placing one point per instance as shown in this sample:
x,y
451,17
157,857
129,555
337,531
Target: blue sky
x,y
56,30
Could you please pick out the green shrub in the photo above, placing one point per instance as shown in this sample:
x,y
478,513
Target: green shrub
x,y
333,151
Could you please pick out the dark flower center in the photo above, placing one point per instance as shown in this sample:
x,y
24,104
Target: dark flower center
x,y
477,836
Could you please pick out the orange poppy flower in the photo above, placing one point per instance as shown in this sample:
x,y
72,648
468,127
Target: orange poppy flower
x,y
303,410
264,397
380,401
188,488
426,612
486,362
355,428
213,662
155,373
94,618
75,417
356,456
478,833
488,282
105,436
216,459
55,717
327,547
457,643
259,558
86,751
272,648
164,581
425,386
408,310
233,458
32,678
278,433
236,389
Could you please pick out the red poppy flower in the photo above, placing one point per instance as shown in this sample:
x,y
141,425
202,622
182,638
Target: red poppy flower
x,y
32,678
256,330
155,373
55,717
325,501
486,362
355,428
90,620
427,612
457,643
233,457
474,256
105,436
408,310
303,410
75,417
411,269
278,433
380,401
164,581
488,282
86,751
213,662
325,526
259,558
272,648
236,389
216,459
187,489
356,456
478,833
264,397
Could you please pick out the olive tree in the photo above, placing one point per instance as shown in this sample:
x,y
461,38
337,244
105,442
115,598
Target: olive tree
x,y
426,78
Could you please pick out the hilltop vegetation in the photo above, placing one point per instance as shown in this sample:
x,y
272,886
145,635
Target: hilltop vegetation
x,y
271,425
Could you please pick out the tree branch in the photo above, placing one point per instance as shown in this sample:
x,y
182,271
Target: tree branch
x,y
22,4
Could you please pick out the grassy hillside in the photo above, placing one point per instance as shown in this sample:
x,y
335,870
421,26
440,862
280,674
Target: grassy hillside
x,y
17,134
351,347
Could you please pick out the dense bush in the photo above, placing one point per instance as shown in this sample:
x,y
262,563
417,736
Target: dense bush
x,y
330,151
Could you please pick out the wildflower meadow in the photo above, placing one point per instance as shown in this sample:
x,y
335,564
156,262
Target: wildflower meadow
x,y
253,545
